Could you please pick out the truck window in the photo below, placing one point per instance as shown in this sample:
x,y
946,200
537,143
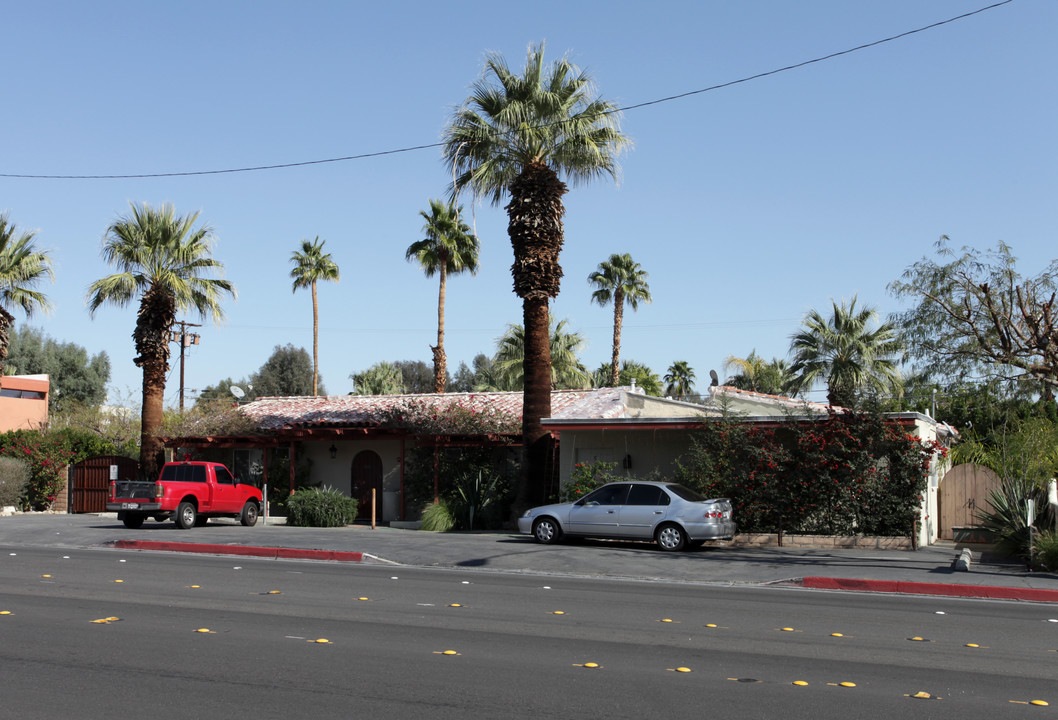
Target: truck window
x,y
223,476
184,473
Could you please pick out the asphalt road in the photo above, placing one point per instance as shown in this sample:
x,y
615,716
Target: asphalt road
x,y
205,637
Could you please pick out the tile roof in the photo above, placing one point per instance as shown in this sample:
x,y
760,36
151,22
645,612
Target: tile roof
x,y
278,413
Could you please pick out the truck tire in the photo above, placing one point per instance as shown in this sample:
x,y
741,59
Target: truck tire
x,y
186,515
133,521
248,516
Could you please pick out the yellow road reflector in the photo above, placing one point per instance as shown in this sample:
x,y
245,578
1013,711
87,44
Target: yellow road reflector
x,y
6,612
591,665
918,639
445,652
975,645
321,641
922,695
455,605
801,683
274,592
106,620
45,575
363,598
836,635
711,625
203,630
119,581
787,629
847,684
666,620
1041,703
194,587
558,612
682,669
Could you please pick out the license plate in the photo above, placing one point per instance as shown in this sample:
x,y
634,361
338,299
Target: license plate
x,y
130,506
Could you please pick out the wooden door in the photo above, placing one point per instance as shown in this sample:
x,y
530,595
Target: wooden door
x,y
367,476
961,494
90,481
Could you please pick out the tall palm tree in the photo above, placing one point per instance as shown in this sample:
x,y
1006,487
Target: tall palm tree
x,y
167,263
312,265
567,371
450,247
845,353
519,134
679,380
22,266
622,280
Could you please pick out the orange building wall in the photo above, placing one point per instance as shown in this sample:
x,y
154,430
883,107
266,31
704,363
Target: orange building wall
x,y
18,413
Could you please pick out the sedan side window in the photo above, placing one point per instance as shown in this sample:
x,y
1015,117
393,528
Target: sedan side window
x,y
647,495
607,495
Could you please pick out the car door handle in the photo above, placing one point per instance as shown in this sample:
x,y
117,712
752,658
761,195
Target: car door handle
x,y
609,512
658,512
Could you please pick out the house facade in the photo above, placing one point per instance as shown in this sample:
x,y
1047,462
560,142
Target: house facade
x,y
24,402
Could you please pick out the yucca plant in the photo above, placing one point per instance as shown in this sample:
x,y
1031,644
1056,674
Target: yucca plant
x,y
1008,516
476,493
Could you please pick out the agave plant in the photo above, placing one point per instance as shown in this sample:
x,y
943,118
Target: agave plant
x,y
477,492
1008,518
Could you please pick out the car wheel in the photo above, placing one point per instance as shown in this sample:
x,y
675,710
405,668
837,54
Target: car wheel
x,y
248,516
671,537
133,521
186,516
546,531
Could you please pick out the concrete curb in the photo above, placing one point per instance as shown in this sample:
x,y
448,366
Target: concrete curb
x,y
920,588
243,550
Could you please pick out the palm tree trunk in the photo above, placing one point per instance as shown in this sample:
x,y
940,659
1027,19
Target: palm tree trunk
x,y
6,320
153,323
618,314
440,369
536,403
315,340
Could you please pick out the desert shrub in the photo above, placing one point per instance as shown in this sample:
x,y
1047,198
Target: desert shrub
x,y
320,507
1045,556
1006,514
14,477
438,517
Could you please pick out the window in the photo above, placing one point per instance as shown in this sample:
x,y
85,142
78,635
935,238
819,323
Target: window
x,y
684,492
184,473
607,495
223,476
647,495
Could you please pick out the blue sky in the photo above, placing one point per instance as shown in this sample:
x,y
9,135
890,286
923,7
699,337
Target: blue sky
x,y
748,206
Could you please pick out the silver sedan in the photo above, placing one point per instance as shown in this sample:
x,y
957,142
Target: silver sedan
x,y
671,515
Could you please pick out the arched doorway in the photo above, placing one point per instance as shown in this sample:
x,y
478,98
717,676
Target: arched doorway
x,y
367,476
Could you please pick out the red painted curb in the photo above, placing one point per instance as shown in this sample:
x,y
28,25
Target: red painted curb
x,y
921,588
265,552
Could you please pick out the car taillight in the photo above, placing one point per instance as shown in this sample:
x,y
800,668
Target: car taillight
x,y
113,489
714,514
159,490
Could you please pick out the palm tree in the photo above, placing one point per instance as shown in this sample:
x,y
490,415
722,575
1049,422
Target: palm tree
x,y
757,375
22,266
518,135
679,380
163,260
312,265
631,373
567,371
450,247
846,354
622,280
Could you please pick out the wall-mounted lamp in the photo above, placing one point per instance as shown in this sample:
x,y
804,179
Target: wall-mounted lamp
x,y
333,451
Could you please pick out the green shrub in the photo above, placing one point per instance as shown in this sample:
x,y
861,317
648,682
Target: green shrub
x,y
438,517
14,477
320,507
586,477
1045,556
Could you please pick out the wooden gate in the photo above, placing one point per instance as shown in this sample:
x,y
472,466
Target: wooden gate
x,y
963,491
90,481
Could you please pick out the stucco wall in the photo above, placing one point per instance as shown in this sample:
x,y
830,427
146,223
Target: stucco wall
x,y
337,473
648,451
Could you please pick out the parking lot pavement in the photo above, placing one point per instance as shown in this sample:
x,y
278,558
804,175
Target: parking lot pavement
x,y
508,552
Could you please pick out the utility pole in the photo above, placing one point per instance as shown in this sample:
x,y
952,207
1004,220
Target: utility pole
x,y
185,339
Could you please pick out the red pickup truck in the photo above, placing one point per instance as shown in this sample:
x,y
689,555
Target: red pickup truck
x,y
188,492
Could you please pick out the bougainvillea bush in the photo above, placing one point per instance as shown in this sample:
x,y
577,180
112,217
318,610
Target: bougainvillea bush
x,y
844,474
47,457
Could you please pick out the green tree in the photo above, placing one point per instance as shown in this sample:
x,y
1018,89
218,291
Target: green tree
x,y
22,267
417,377
75,377
519,134
221,390
623,281
312,265
165,262
844,352
567,371
382,378
975,314
449,248
288,372
756,374
679,380
631,373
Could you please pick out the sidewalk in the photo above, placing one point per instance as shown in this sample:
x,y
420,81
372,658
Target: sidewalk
x,y
927,570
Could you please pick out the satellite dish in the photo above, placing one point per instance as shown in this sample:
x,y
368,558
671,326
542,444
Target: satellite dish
x,y
237,391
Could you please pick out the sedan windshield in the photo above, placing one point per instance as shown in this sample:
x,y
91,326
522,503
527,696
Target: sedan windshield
x,y
685,493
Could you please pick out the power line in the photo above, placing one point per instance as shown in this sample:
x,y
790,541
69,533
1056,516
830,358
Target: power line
x,y
413,148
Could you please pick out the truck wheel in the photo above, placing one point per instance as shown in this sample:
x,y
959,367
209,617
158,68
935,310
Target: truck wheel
x,y
248,517
133,521
186,515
